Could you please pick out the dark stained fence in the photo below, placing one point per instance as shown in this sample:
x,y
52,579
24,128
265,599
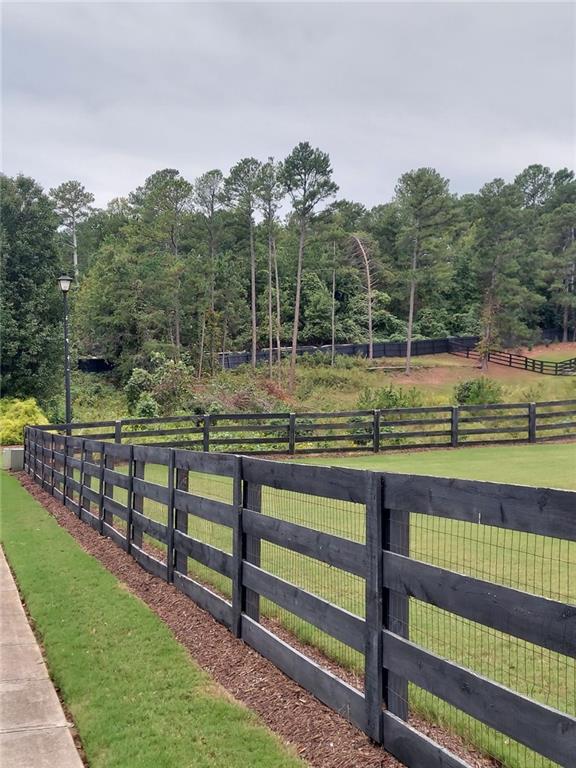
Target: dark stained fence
x,y
455,599
512,360
349,431
380,349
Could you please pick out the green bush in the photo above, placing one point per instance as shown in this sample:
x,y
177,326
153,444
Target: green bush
x,y
480,391
15,415
146,407
139,382
388,397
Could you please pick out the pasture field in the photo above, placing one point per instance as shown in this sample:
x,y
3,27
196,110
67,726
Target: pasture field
x,y
136,696
528,562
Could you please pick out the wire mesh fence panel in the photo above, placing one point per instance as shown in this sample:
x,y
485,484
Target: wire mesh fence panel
x,y
536,564
345,590
217,488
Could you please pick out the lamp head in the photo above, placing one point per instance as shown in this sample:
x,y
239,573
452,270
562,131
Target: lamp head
x,y
65,282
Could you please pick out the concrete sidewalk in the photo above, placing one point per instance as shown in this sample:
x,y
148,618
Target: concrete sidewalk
x,y
34,732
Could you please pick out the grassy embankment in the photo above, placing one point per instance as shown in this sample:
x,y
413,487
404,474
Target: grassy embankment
x,y
323,388
136,696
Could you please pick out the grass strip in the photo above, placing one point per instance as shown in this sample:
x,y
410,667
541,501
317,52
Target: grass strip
x,y
136,696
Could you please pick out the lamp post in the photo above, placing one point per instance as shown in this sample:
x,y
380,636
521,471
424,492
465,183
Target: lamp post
x,y
65,282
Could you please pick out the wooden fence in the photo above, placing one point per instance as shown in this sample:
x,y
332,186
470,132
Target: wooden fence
x,y
376,430
91,476
512,360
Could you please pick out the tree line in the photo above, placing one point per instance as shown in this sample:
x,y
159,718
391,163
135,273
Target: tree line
x,y
268,257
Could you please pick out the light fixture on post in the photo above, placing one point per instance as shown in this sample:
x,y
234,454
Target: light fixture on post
x,y
65,282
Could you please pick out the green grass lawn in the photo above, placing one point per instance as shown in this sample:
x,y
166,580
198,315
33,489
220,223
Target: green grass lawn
x,y
136,696
550,466
556,356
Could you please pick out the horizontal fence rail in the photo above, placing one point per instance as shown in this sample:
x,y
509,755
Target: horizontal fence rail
x,y
350,431
513,360
363,565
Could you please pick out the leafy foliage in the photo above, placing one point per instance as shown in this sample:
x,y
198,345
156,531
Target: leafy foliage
x,y
30,304
479,391
389,397
15,415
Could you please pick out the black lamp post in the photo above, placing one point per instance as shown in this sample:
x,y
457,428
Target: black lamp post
x,y
65,282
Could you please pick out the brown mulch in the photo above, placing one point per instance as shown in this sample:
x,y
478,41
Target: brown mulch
x,y
319,735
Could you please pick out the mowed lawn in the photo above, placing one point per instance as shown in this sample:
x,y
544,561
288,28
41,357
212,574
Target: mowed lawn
x,y
547,466
540,565
134,692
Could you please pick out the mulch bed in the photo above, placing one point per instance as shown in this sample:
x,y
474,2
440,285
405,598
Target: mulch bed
x,y
319,735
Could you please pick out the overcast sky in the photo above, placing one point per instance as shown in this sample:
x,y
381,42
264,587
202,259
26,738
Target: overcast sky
x,y
108,93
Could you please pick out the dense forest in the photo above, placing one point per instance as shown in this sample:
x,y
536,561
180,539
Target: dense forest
x,y
268,256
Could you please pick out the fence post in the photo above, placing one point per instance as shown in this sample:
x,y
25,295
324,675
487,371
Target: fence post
x,y
454,423
170,520
118,431
206,434
52,462
108,490
27,449
238,550
182,483
130,501
373,669
376,431
101,489
396,531
532,422
43,474
81,489
252,499
64,470
138,504
292,434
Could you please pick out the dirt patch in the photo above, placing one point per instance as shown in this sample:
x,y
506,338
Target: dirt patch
x,y
319,735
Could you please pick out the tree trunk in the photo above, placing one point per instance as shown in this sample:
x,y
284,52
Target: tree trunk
x,y
369,298
177,320
489,313
278,310
202,333
253,291
292,379
75,250
411,304
333,319
224,334
177,332
270,322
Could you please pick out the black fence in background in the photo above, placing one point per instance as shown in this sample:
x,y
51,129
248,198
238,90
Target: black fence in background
x,y
380,349
453,600
342,431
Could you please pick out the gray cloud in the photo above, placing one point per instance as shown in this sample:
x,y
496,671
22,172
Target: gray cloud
x,y
108,93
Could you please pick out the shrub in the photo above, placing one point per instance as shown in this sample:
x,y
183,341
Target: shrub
x,y
478,392
139,382
388,397
15,415
146,407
